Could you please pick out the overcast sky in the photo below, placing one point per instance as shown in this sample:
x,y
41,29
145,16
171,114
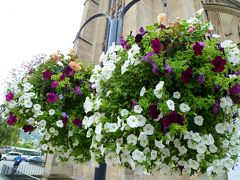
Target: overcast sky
x,y
31,27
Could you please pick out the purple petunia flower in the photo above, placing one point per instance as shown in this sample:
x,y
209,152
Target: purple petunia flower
x,y
187,75
201,79
142,31
218,64
54,84
235,89
12,119
69,71
198,48
133,103
220,48
77,122
63,114
28,128
62,77
216,107
149,56
138,38
155,70
217,87
153,111
47,75
51,97
171,118
77,90
9,96
156,45
168,69
124,43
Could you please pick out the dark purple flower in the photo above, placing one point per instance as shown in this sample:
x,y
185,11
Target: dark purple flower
x,y
198,48
12,119
187,75
149,56
54,84
218,64
124,43
51,97
162,26
142,31
171,118
235,90
62,77
9,96
155,70
77,122
69,71
217,87
138,38
47,75
153,111
65,120
201,79
133,103
156,45
91,88
28,128
216,107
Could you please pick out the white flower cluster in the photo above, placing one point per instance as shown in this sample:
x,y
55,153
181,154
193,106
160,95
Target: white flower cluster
x,y
232,52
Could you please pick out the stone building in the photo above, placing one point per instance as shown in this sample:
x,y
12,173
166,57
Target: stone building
x,y
224,14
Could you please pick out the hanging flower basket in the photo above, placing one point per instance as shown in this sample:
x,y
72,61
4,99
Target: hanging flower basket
x,y
167,100
49,99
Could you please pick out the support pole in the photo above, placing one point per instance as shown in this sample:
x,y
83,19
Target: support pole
x,y
100,172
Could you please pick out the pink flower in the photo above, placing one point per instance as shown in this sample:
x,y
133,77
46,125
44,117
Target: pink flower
x,y
156,45
51,97
12,119
9,96
47,75
191,29
54,84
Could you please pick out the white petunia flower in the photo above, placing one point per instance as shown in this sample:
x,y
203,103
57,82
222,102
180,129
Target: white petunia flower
x,y
220,128
176,95
158,94
193,164
59,123
148,129
51,112
28,104
198,120
159,144
98,129
144,142
124,112
142,136
228,163
138,156
201,148
212,148
56,133
143,91
171,105
137,109
159,86
184,107
31,121
226,102
42,123
182,150
111,127
125,157
44,147
191,144
88,105
125,66
132,139
112,159
37,107
132,121
153,154
142,120
70,133
47,136
176,143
